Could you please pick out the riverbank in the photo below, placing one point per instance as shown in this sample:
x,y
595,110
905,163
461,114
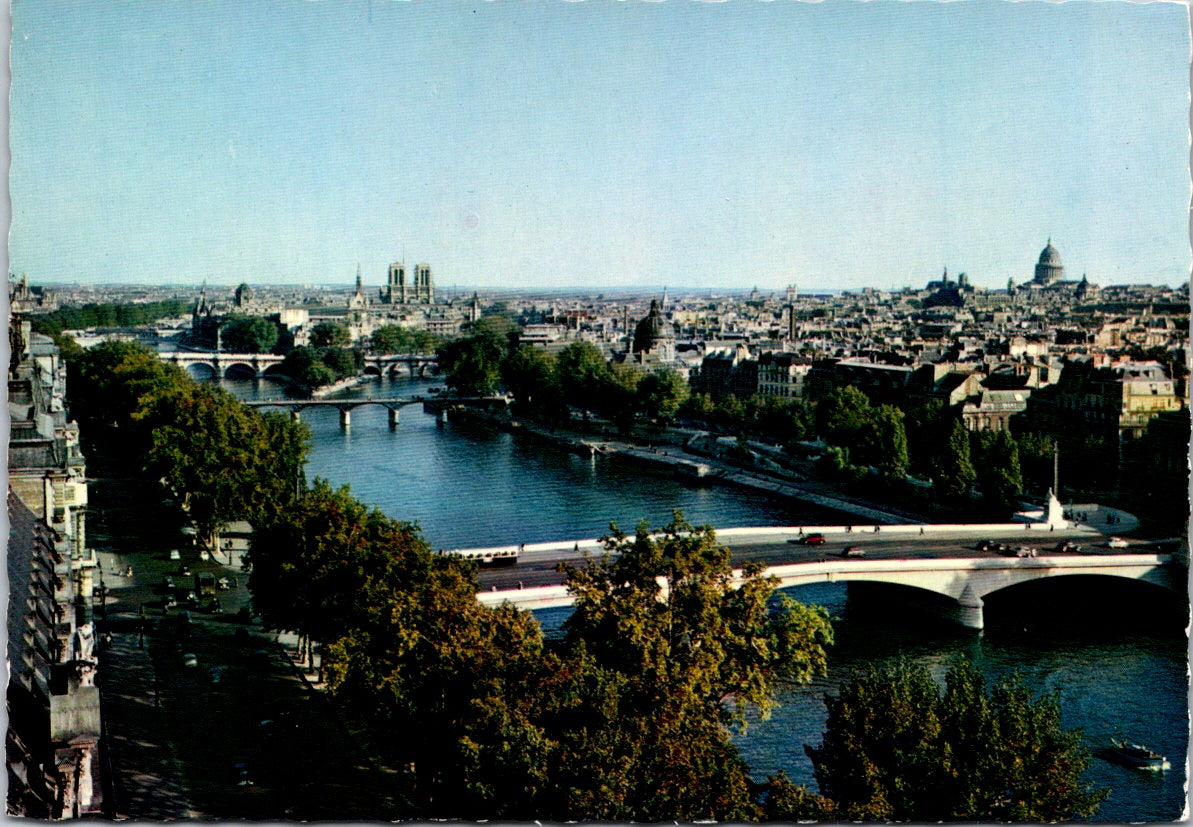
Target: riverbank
x,y
698,468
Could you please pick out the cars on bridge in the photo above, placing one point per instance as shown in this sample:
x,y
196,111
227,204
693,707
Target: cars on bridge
x,y
809,540
853,551
1116,542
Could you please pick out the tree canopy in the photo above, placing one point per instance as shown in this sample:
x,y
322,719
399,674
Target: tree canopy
x,y
897,748
249,334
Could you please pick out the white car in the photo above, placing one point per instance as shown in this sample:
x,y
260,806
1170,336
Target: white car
x,y
1116,542
175,554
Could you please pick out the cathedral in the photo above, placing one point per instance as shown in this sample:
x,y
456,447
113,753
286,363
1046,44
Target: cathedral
x,y
399,291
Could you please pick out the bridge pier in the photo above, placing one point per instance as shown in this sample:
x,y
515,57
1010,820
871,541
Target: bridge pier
x,y
294,417
393,417
345,418
443,416
970,610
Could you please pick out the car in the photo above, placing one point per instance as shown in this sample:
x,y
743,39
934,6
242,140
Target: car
x,y
987,545
1068,546
1116,542
240,775
167,584
809,540
175,554
190,659
853,551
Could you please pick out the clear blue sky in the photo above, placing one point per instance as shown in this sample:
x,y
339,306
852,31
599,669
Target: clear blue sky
x,y
538,143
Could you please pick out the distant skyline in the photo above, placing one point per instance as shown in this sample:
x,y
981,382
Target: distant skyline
x,y
588,145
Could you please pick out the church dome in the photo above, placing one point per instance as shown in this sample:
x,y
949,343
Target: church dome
x,y
1050,255
652,330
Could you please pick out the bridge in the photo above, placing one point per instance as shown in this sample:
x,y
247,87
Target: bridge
x,y
222,365
415,365
438,405
941,560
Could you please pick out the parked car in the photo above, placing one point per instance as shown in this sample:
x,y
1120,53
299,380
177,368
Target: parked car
x,y
809,540
175,554
1116,542
190,659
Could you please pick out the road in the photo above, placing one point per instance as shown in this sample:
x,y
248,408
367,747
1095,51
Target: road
x,y
538,568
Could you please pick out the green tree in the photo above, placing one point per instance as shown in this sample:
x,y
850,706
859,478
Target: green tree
x,y
617,398
896,748
841,414
473,365
248,334
529,374
220,460
329,334
998,471
889,442
108,386
661,393
685,654
583,374
399,339
954,476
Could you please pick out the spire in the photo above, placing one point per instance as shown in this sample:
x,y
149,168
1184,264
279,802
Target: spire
x,y
358,277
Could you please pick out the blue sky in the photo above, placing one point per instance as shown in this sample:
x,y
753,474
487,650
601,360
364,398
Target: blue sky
x,y
544,143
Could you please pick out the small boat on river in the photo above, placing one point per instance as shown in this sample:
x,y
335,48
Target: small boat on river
x,y
1133,755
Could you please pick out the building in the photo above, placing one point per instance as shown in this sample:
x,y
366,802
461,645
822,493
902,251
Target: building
x,y
53,739
782,375
398,290
1049,269
654,337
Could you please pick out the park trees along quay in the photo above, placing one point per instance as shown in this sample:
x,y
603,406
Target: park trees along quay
x,y
627,715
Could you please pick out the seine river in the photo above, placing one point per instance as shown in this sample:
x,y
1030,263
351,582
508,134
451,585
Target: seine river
x,y
467,485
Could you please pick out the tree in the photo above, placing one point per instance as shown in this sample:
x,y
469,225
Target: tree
x,y
661,394
889,441
327,334
998,471
398,339
896,748
684,654
473,365
108,386
841,414
583,374
529,374
954,476
248,334
220,460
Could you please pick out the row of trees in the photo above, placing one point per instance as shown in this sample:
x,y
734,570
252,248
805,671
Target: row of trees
x,y
106,314
546,385
214,458
628,715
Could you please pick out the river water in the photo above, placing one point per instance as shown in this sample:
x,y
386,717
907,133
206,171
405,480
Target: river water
x,y
1115,673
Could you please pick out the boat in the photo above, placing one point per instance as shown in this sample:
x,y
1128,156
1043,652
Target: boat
x,y
1133,755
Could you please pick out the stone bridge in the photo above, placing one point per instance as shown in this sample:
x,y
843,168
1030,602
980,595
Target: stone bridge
x,y
223,365
965,580
414,365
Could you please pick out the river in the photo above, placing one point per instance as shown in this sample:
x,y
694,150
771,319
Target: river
x,y
468,485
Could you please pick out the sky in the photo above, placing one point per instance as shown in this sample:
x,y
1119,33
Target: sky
x,y
544,143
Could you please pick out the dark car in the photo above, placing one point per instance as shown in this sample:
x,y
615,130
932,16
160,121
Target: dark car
x,y
853,551
810,540
1067,545
987,545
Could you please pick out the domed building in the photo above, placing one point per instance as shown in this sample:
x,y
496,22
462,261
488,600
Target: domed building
x,y
1049,270
654,336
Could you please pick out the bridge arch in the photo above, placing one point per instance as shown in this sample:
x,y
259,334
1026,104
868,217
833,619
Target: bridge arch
x,y
273,370
201,371
240,370
371,370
